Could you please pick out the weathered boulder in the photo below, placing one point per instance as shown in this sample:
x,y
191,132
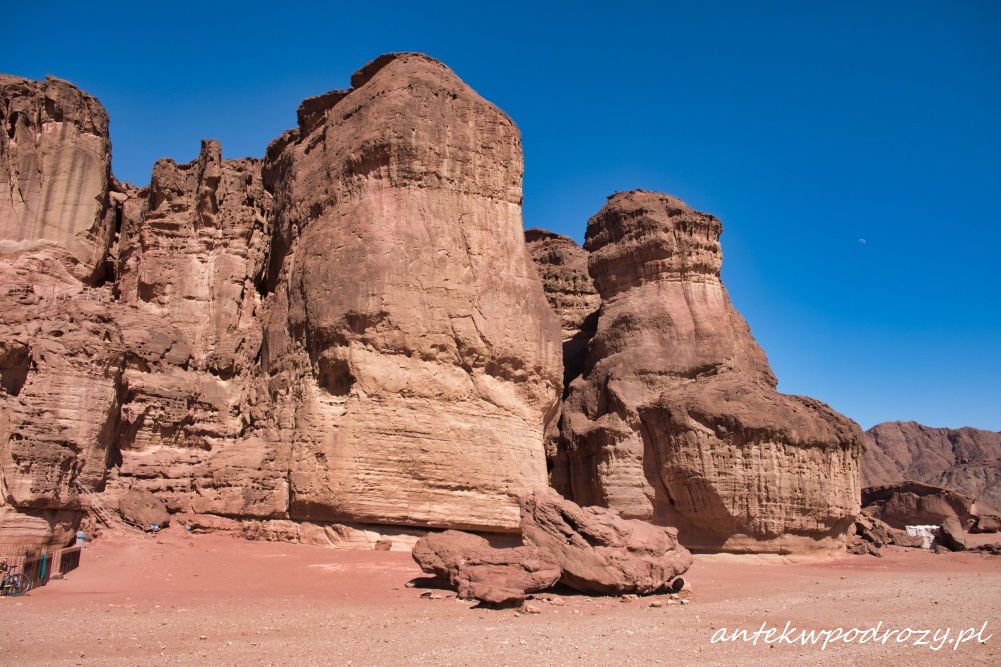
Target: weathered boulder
x,y
964,460
479,571
411,354
951,535
987,523
677,419
143,508
55,173
598,550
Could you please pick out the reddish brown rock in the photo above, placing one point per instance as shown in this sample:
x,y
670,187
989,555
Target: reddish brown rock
x,y
562,265
61,361
951,535
411,354
598,550
479,571
987,523
55,176
915,503
192,252
964,460
142,508
677,418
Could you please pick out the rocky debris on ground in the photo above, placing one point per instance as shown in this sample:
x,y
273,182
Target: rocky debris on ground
x,y
871,535
479,571
992,548
140,507
598,550
964,460
951,535
677,418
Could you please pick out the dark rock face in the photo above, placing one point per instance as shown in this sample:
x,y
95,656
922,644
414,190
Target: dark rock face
x,y
598,550
677,418
965,460
481,572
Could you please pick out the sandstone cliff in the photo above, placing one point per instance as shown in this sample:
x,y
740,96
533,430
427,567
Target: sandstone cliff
x,y
355,336
966,460
408,343
677,418
55,172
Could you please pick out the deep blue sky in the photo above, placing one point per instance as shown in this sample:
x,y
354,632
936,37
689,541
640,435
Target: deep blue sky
x,y
805,126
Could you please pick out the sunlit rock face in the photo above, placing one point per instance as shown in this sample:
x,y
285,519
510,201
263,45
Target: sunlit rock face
x,y
55,175
412,355
676,418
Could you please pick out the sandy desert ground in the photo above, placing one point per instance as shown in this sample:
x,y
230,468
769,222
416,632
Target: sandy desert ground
x,y
215,600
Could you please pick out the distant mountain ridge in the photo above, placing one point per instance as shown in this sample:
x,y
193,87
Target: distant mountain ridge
x,y
967,460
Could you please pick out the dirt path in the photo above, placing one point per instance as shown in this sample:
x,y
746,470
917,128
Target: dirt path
x,y
196,600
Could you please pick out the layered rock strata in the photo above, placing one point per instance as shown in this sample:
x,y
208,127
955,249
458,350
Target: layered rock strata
x,y
408,344
677,418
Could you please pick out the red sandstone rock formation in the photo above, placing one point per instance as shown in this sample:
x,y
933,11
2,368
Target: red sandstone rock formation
x,y
677,418
562,265
413,360
598,550
481,572
55,175
965,460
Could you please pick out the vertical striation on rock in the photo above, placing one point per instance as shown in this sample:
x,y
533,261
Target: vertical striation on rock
x,y
55,171
677,417
191,254
408,344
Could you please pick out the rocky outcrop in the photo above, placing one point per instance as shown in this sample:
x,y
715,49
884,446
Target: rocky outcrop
x,y
964,460
914,503
677,417
61,349
480,572
411,355
562,265
55,176
599,551
191,255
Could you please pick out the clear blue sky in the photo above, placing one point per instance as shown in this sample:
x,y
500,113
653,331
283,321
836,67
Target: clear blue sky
x,y
806,126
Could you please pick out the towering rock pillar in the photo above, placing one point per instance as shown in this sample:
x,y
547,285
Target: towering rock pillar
x,y
55,171
408,343
677,417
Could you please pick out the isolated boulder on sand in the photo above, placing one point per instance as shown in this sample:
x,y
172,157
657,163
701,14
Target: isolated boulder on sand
x,y
143,508
481,572
951,535
598,550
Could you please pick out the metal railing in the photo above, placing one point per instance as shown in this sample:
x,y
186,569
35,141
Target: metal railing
x,y
40,563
